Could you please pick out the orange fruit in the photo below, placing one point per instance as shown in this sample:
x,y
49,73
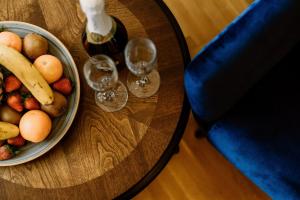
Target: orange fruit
x,y
35,126
50,67
11,40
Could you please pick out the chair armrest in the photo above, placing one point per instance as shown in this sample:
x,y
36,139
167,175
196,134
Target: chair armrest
x,y
241,55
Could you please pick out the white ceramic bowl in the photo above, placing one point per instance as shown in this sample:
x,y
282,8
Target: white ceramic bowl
x,y
61,124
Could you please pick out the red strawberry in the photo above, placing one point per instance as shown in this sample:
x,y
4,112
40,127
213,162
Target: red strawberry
x,y
6,152
17,141
63,85
15,102
12,83
2,142
24,90
31,103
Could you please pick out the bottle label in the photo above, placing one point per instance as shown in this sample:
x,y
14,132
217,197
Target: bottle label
x,y
96,38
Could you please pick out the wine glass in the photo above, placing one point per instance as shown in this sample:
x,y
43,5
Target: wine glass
x,y
101,75
141,60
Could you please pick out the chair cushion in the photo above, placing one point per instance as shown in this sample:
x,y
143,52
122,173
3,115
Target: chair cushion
x,y
261,134
236,59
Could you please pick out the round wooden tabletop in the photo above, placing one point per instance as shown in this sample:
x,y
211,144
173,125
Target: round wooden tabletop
x,y
106,155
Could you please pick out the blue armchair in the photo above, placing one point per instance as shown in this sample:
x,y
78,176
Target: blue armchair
x,y
245,85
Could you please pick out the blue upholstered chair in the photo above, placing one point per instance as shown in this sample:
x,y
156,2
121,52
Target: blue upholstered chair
x,y
245,85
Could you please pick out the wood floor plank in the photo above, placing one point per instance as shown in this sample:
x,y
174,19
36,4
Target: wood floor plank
x,y
201,20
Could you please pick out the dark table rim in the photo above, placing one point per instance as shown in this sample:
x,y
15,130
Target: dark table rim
x,y
181,125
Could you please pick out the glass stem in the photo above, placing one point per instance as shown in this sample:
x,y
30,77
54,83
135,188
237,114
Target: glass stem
x,y
144,80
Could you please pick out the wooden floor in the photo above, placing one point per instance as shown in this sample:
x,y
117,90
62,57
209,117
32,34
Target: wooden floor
x,y
199,171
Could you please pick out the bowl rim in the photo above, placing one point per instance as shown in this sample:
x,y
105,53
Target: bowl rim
x,y
49,146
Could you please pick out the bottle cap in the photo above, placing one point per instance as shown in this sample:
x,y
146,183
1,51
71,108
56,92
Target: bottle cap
x,y
97,20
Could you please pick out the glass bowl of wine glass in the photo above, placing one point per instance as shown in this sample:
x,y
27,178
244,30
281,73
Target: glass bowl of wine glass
x,y
101,75
141,60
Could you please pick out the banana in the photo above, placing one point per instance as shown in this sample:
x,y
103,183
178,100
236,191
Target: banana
x,y
26,73
8,130
1,84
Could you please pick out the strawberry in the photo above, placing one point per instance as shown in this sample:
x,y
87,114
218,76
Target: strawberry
x,y
31,103
6,152
24,90
15,102
12,83
2,142
63,85
17,141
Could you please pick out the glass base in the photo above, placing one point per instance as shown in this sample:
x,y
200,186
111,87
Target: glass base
x,y
114,100
146,87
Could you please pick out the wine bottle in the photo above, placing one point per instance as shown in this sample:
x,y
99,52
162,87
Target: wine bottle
x,y
103,34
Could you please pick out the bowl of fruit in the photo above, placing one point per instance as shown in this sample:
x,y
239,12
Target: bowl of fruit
x,y
39,92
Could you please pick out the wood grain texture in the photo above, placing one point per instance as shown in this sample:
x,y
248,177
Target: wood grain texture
x,y
112,138
199,171
103,154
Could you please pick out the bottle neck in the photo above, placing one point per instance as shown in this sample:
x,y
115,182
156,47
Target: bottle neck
x,y
95,37
100,26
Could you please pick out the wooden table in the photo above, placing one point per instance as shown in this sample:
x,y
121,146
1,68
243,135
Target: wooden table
x,y
106,155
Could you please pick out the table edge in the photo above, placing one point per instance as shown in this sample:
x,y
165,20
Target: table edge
x,y
181,125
